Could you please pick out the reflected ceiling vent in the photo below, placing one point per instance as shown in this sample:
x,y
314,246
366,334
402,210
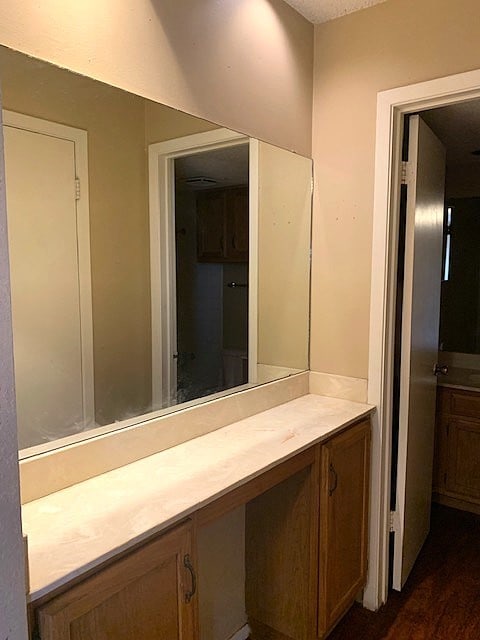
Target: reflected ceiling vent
x,y
200,181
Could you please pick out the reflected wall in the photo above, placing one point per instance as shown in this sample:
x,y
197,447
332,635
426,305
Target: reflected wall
x,y
120,127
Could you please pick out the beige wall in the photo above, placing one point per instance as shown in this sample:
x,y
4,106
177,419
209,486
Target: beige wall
x,y
246,65
392,44
162,123
284,209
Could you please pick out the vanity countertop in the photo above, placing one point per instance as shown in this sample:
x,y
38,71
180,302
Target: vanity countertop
x,y
461,378
76,529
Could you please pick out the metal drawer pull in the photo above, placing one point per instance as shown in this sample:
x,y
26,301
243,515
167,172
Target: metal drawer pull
x,y
335,479
188,565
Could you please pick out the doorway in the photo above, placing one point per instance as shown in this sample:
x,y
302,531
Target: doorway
x,y
393,105
209,174
212,275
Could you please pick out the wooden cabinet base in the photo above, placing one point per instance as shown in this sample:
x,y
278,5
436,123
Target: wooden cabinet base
x,y
281,557
306,542
143,595
305,557
343,523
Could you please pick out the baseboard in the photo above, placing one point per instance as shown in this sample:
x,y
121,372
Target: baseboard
x,y
241,634
328,384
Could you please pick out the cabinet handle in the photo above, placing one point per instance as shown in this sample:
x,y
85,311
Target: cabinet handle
x,y
335,479
188,565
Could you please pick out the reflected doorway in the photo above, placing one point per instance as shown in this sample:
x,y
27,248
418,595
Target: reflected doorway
x,y
211,205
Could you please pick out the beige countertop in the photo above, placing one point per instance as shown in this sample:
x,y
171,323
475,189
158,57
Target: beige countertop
x,y
76,529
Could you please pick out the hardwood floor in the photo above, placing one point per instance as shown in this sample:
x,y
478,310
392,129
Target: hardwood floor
x,y
441,600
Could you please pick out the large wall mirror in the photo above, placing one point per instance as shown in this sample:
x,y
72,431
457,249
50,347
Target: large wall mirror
x,y
156,259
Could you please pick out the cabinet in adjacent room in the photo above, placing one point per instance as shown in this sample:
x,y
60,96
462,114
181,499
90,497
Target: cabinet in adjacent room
x,y
456,480
222,225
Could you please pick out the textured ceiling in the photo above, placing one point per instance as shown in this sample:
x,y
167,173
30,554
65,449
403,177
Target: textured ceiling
x,y
322,10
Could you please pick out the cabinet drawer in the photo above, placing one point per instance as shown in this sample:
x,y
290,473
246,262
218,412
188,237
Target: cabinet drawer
x,y
465,404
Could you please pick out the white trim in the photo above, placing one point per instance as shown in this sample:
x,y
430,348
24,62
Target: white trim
x,y
161,156
253,213
79,137
391,106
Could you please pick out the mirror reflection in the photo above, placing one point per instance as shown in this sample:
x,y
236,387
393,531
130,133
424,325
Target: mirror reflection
x,y
156,258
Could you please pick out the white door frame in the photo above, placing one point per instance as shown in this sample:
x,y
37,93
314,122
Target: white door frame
x,y
161,157
79,137
392,105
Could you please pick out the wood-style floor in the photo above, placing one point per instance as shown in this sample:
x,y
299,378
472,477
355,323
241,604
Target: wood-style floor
x,y
441,600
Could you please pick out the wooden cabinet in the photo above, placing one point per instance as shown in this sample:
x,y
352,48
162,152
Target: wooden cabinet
x,y
306,558
146,594
222,225
306,542
456,479
345,464
281,559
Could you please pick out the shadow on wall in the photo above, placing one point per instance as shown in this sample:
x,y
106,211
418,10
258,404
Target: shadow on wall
x,y
203,55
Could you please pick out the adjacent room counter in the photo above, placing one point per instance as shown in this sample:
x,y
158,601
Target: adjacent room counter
x,y
78,528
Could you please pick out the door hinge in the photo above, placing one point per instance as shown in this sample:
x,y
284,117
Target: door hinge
x,y
393,521
77,188
403,175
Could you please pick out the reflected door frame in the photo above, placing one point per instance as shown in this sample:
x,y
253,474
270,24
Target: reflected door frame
x,y
161,158
79,137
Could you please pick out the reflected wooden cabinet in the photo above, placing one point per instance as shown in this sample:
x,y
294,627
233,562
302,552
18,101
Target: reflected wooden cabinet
x,y
222,225
345,464
456,479
146,594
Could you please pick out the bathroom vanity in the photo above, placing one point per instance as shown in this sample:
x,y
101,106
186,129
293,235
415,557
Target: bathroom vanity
x,y
115,556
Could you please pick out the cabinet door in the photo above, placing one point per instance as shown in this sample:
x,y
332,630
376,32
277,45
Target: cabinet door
x,y
463,462
345,461
146,595
211,226
237,225
440,454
